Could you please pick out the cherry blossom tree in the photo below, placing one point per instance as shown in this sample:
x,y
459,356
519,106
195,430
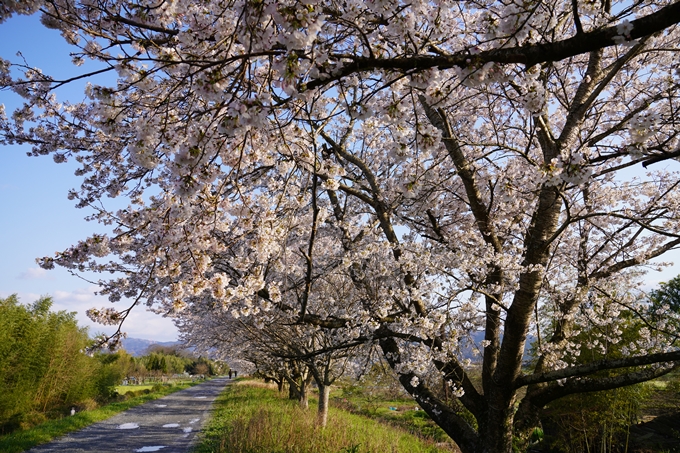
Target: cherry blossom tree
x,y
294,354
450,166
278,345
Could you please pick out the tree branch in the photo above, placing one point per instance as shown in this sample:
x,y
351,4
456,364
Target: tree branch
x,y
594,367
527,55
583,385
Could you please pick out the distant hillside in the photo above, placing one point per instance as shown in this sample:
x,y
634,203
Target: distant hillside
x,y
471,350
138,346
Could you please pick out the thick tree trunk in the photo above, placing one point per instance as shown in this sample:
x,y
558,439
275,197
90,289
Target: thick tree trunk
x,y
495,434
324,392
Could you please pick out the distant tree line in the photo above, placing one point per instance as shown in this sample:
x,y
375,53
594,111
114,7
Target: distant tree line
x,y
161,362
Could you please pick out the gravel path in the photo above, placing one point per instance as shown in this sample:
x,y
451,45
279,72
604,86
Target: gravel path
x,y
166,425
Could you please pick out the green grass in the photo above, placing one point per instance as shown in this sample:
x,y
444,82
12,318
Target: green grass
x,y
123,389
23,440
253,419
405,416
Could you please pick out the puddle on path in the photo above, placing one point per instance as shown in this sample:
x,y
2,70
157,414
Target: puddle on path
x,y
128,426
152,448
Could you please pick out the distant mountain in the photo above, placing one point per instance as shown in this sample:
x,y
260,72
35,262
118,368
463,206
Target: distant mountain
x,y
471,349
138,346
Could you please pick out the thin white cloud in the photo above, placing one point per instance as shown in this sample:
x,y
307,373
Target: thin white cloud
x,y
80,295
35,273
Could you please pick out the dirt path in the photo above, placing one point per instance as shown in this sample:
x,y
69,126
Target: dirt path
x,y
166,425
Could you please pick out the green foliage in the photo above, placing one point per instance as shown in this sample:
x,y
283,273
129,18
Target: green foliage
x,y
43,369
202,366
665,302
157,362
595,422
113,368
673,386
161,361
668,293
536,435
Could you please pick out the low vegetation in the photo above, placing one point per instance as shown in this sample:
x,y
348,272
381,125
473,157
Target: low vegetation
x,y
253,417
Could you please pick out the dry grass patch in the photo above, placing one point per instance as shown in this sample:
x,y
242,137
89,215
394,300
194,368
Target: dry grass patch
x,y
256,384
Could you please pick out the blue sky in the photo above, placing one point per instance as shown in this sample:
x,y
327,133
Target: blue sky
x,y
37,219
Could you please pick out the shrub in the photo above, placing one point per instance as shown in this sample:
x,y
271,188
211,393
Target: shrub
x,y
578,422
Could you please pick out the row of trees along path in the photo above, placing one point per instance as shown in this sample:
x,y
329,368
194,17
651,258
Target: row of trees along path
x,y
380,176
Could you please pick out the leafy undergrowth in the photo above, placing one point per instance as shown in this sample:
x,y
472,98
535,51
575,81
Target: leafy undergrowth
x,y
251,417
23,440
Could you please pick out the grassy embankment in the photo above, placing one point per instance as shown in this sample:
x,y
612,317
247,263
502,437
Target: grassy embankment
x,y
19,441
398,412
252,417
